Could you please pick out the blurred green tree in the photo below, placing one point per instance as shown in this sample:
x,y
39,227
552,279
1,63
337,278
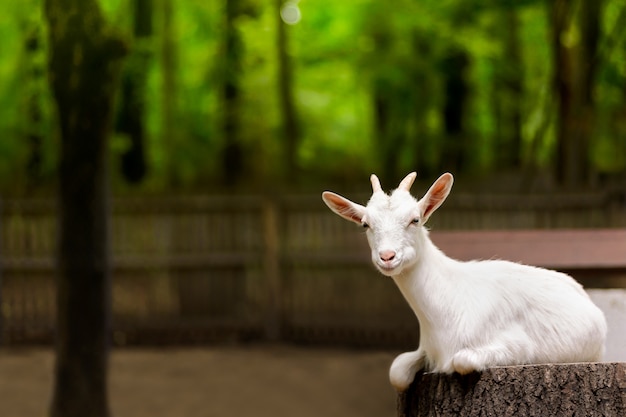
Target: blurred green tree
x,y
169,113
290,132
34,112
232,153
84,63
342,89
575,38
508,92
131,115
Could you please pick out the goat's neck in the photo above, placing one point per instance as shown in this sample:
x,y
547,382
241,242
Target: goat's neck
x,y
420,283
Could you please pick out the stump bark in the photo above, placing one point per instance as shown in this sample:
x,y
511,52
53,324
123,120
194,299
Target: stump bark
x,y
582,389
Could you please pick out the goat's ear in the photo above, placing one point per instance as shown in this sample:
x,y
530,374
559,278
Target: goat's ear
x,y
436,195
344,207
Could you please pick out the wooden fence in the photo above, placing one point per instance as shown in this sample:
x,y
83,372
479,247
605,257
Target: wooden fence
x,y
197,268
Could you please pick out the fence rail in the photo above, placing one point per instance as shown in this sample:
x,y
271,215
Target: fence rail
x,y
199,268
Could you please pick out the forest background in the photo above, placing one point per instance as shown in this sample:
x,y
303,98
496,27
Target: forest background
x,y
303,94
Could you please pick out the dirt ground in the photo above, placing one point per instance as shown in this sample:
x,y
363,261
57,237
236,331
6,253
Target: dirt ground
x,y
216,382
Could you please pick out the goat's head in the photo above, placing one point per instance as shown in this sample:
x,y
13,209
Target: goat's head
x,y
393,222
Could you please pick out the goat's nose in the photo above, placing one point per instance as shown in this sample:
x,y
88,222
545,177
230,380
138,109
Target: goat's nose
x,y
387,255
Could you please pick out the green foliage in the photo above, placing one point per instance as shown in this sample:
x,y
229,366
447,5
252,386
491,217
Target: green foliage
x,y
344,55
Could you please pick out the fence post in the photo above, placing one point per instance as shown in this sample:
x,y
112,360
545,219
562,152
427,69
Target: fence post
x,y
2,263
271,270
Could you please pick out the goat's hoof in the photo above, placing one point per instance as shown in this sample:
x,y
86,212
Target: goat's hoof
x,y
403,370
401,384
466,361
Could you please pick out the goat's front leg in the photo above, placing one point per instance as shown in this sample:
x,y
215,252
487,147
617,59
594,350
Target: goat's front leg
x,y
404,368
509,348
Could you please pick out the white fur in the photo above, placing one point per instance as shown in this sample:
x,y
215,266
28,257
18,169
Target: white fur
x,y
472,315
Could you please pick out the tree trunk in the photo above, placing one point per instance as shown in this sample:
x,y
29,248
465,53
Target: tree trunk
x,y
84,64
578,390
393,103
34,133
508,94
290,127
420,138
232,152
575,62
131,115
169,108
456,92
389,141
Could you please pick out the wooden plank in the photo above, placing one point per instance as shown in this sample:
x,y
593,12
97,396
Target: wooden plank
x,y
140,262
347,258
567,249
271,264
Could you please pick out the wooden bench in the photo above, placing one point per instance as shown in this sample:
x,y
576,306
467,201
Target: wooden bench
x,y
583,253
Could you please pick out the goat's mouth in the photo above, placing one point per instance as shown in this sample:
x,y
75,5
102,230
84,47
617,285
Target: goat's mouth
x,y
389,268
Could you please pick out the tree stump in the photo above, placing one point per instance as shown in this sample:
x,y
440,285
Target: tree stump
x,y
581,389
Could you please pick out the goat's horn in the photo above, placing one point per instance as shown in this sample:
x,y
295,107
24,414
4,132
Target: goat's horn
x,y
375,184
406,183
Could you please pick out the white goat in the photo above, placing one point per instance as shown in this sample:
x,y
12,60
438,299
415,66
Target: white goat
x,y
472,315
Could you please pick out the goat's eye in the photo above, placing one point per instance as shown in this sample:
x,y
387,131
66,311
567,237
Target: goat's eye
x,y
415,220
365,225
